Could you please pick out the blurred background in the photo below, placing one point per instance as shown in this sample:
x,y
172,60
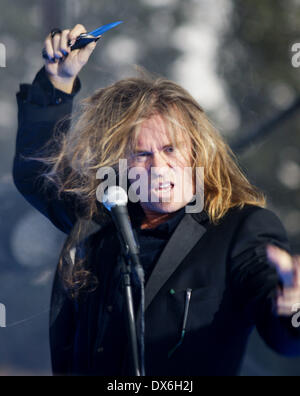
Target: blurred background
x,y
234,56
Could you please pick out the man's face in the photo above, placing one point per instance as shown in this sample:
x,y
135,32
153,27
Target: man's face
x,y
169,182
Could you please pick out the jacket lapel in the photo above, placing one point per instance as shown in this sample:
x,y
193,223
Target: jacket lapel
x,y
185,237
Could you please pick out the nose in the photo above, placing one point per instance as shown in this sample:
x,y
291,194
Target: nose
x,y
161,165
159,161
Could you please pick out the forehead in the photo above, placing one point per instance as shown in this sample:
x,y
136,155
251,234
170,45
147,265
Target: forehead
x,y
157,131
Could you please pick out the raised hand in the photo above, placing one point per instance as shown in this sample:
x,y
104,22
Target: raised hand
x,y
63,65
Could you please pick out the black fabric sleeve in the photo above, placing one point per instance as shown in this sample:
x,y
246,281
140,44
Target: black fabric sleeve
x,y
40,107
255,281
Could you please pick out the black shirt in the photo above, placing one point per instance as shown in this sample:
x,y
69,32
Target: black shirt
x,y
152,241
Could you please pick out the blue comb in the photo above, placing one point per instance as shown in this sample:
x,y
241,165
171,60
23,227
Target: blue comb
x,y
104,29
87,38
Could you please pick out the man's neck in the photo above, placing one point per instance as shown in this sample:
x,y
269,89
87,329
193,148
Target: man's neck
x,y
154,219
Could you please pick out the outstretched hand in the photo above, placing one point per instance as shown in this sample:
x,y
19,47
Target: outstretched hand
x,y
288,269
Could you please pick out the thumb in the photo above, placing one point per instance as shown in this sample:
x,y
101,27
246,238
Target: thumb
x,y
283,262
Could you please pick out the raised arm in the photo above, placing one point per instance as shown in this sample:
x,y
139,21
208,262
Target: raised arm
x,y
41,105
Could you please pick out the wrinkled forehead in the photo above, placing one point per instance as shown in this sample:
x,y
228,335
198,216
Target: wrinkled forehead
x,y
159,131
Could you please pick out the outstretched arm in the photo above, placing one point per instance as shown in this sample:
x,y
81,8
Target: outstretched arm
x,y
258,284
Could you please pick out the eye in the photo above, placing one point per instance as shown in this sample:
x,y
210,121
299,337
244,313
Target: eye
x,y
170,149
140,157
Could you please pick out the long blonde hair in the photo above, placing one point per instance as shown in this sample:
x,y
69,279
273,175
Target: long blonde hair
x,y
104,133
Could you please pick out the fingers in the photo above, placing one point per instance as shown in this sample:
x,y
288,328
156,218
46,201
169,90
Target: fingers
x,y
283,263
53,47
49,48
58,46
75,32
280,258
63,45
287,306
288,300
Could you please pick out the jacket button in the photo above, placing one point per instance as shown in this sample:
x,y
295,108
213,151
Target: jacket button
x,y
58,100
110,308
100,350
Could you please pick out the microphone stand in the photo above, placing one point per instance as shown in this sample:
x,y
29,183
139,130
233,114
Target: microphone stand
x,y
131,322
130,259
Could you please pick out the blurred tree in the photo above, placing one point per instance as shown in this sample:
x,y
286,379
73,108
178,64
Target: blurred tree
x,y
257,66
53,15
256,63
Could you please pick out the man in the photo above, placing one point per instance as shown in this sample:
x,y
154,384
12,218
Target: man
x,y
220,258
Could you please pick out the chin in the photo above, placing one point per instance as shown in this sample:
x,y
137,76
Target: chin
x,y
164,207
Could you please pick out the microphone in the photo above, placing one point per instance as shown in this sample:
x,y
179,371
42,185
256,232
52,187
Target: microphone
x,y
115,200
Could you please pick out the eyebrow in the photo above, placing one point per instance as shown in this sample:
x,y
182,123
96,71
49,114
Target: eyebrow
x,y
140,151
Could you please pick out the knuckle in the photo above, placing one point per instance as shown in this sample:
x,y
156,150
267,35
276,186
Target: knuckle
x,y
73,35
57,37
47,42
80,29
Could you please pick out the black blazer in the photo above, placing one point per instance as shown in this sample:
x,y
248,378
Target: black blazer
x,y
233,285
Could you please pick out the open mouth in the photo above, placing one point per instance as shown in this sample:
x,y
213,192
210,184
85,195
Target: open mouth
x,y
165,187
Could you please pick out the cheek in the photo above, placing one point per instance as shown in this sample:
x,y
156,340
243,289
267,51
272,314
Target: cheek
x,y
184,180
183,159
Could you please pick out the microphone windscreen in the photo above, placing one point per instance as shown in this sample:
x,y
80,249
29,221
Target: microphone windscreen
x,y
114,196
